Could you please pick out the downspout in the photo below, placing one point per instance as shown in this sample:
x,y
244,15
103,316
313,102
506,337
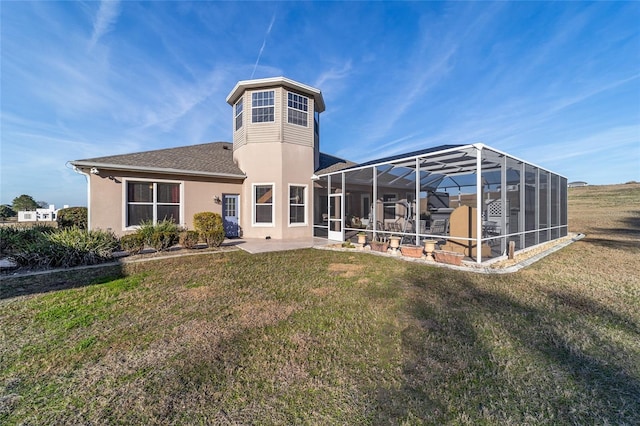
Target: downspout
x,y
88,176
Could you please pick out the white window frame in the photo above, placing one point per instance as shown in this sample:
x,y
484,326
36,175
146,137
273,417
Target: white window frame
x,y
386,207
304,205
254,204
272,106
236,115
125,201
302,109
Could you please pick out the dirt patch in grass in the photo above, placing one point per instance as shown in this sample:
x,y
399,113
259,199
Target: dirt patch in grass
x,y
346,270
263,312
322,291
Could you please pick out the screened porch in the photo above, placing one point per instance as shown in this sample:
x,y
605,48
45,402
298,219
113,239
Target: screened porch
x,y
472,199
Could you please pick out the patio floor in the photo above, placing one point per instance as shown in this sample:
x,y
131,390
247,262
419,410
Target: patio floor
x,y
261,245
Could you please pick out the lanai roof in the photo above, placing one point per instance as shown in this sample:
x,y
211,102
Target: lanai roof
x,y
440,166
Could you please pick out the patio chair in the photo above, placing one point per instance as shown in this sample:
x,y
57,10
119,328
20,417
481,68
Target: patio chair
x,y
439,227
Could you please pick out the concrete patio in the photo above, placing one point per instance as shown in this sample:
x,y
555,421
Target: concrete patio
x,y
261,245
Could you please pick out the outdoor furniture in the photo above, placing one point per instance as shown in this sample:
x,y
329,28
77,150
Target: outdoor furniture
x,y
462,224
439,227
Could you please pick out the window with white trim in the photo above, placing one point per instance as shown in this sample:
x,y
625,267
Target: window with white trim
x,y
298,107
238,113
152,201
262,106
263,204
389,206
297,205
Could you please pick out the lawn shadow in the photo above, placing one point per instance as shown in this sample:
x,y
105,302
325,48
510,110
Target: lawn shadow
x,y
48,281
453,364
620,238
612,243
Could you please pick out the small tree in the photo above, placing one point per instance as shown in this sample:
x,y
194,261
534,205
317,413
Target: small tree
x,y
73,217
24,203
210,227
6,211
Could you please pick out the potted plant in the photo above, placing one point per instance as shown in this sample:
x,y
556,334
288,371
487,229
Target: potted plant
x,y
449,257
379,244
429,248
362,238
411,251
394,244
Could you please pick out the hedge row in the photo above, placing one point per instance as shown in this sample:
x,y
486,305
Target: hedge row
x,y
67,246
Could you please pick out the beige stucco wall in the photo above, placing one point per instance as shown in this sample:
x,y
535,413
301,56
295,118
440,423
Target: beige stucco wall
x,y
280,154
281,165
108,197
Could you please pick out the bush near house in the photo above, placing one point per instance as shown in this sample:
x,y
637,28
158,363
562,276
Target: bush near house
x,y
14,238
161,235
189,239
210,227
73,217
133,243
46,247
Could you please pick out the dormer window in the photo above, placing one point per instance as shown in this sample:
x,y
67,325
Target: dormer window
x,y
238,113
298,108
262,106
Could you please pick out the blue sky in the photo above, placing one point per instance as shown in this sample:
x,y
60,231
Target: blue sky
x,y
557,84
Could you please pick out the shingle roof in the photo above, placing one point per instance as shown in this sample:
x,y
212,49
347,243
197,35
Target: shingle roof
x,y
330,163
215,158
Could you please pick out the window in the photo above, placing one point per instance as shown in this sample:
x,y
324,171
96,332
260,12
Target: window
x,y
297,111
389,203
297,210
230,208
238,114
262,106
152,201
263,204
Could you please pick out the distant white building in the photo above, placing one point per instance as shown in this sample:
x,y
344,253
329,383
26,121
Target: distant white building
x,y
40,215
576,184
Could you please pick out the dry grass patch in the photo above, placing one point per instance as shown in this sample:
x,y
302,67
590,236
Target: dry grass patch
x,y
346,270
263,312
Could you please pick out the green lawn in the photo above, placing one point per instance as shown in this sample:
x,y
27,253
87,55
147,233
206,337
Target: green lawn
x,y
321,337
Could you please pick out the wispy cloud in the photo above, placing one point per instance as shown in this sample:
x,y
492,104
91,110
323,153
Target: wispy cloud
x,y
616,139
333,74
105,20
264,43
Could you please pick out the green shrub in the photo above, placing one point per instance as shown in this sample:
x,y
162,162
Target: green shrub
x,y
13,239
189,239
210,227
145,232
65,248
73,217
9,238
160,236
162,240
133,243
